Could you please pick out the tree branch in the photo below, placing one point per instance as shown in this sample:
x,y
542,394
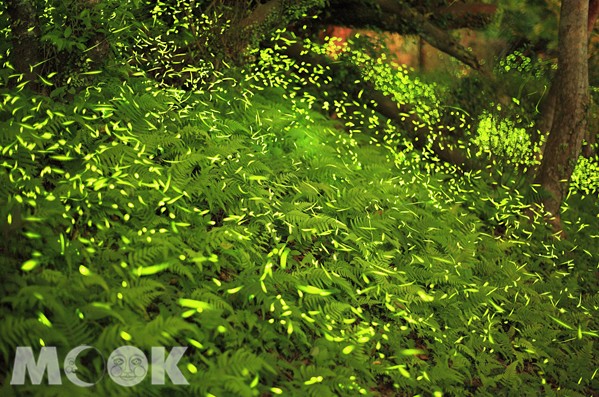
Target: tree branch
x,y
459,15
395,16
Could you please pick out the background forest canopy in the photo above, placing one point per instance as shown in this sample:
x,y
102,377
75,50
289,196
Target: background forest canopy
x,y
266,183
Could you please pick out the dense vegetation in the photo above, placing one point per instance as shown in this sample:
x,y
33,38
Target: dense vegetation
x,y
299,242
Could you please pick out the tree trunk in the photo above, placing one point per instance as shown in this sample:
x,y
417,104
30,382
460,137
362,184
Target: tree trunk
x,y
548,106
571,106
26,34
593,15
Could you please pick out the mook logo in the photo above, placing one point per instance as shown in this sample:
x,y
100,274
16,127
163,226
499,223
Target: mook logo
x,y
126,366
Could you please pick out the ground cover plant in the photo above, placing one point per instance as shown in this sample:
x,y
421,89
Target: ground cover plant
x,y
297,241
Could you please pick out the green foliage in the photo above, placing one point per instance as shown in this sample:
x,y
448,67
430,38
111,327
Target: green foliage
x,y
533,23
181,42
293,254
506,142
585,178
340,89
526,81
77,38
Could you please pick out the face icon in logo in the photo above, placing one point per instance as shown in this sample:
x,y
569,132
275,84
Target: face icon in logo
x,y
127,366
79,368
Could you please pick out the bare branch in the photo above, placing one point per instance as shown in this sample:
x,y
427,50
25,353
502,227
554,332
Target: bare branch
x,y
396,16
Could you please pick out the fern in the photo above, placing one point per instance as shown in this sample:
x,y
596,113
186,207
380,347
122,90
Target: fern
x,y
291,257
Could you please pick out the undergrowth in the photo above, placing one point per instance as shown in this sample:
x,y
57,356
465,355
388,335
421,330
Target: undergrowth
x,y
291,257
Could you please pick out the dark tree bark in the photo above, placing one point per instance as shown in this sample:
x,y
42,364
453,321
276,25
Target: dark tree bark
x,y
571,106
445,14
548,106
457,15
593,14
26,35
